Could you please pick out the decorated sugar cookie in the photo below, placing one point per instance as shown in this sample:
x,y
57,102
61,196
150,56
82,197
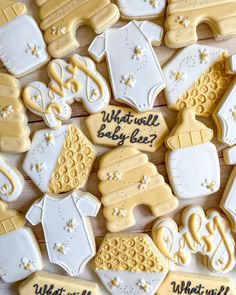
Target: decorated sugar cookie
x,y
207,234
11,181
61,21
59,160
131,62
192,161
128,179
67,229
75,80
196,78
141,9
118,126
183,19
22,48
130,264
20,255
14,130
229,155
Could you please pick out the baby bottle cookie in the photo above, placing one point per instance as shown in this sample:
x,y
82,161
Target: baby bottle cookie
x,y
130,264
68,233
75,80
60,21
22,48
60,160
14,130
183,19
196,77
20,255
192,161
207,234
128,179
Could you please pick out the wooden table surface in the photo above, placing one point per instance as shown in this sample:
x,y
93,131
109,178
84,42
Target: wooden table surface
x,y
144,219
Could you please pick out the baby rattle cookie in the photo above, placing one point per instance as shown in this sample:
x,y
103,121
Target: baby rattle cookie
x,y
128,179
22,47
118,126
60,21
141,9
20,254
11,181
131,62
14,130
183,19
196,77
68,233
192,161
207,234
130,264
75,80
60,160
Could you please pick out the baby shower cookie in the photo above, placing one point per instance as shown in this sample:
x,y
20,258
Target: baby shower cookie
x,y
207,234
57,284
183,19
128,179
141,9
60,21
196,78
118,126
22,49
131,62
130,264
75,80
59,160
20,254
192,161
180,282
11,181
229,155
68,233
14,130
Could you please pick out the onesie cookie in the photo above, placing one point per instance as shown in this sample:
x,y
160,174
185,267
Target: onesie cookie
x,y
141,9
192,161
75,80
196,78
22,49
68,233
59,160
128,179
20,255
183,19
118,126
14,130
11,181
60,21
130,264
131,62
207,234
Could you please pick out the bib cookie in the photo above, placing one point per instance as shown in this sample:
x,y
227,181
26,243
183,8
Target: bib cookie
x,y
118,126
75,80
128,179
183,19
196,78
131,62
11,181
22,48
14,130
68,233
192,161
20,255
60,21
207,234
60,160
130,264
